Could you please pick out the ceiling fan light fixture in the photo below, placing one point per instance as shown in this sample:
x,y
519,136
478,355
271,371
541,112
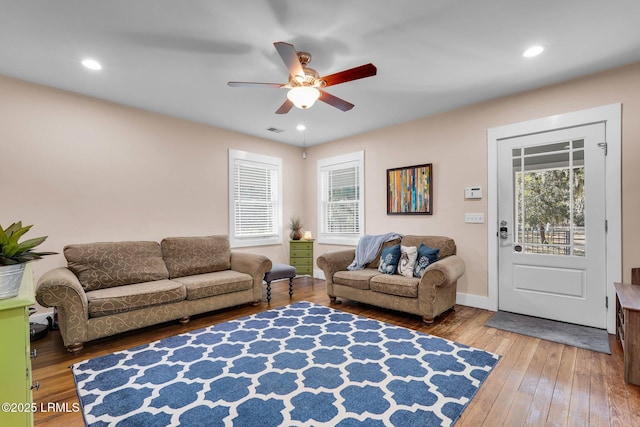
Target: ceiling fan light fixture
x,y
305,86
303,97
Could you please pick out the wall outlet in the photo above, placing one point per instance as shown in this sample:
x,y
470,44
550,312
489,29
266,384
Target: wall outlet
x,y
474,218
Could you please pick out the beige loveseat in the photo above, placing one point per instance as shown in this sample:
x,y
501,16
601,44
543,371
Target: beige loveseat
x,y
428,296
112,287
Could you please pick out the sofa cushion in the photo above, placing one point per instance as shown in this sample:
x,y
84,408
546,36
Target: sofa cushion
x,y
426,257
389,259
105,302
217,283
358,279
185,256
107,264
395,285
408,257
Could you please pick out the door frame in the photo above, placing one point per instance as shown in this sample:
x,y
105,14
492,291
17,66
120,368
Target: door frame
x,y
611,116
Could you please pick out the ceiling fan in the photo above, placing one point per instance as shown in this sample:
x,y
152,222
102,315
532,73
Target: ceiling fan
x,y
305,84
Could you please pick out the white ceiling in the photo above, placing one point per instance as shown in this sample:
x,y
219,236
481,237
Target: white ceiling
x,y
175,57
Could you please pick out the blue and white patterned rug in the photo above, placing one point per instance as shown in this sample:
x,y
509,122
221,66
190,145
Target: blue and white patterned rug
x,y
299,365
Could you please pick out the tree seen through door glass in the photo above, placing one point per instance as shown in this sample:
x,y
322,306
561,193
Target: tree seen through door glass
x,y
549,198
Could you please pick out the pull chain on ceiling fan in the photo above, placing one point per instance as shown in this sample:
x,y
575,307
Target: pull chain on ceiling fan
x,y
305,84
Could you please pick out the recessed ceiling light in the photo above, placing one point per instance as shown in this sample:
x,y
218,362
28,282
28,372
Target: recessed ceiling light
x,y
301,127
92,64
533,51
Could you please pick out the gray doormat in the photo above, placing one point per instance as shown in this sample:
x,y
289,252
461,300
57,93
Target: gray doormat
x,y
564,333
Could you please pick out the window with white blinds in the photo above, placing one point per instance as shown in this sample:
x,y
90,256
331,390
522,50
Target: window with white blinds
x,y
341,194
255,202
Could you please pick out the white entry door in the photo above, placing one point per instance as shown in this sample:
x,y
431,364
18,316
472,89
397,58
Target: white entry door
x,y
552,232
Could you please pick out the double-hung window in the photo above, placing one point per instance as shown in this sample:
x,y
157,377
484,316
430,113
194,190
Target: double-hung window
x,y
341,199
255,199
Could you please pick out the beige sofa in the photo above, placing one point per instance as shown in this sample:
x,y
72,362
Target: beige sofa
x,y
428,296
113,287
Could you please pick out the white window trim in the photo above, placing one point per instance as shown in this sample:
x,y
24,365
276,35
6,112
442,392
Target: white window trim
x,y
254,241
333,162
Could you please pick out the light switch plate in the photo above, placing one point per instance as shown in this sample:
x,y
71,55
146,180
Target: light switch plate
x,y
474,218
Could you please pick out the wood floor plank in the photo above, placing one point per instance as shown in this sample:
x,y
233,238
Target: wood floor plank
x,y
579,398
598,412
536,383
634,404
452,320
559,410
524,396
468,331
619,409
539,409
506,397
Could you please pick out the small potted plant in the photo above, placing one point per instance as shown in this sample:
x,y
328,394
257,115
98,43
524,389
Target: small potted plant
x,y
14,255
296,228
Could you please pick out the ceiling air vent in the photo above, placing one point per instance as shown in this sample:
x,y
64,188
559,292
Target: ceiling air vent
x,y
275,130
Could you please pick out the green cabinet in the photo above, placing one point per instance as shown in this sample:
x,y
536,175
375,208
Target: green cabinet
x,y
15,366
301,256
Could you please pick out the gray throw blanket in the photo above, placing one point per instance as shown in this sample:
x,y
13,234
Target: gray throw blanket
x,y
368,247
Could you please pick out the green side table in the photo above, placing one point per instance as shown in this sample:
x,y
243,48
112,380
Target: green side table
x,y
15,363
301,256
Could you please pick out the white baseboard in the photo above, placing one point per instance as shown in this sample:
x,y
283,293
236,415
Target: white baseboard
x,y
318,274
476,301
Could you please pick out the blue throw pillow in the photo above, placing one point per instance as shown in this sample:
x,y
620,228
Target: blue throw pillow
x,y
426,256
389,259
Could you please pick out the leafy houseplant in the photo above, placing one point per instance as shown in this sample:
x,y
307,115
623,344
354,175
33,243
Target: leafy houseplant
x,y
13,256
296,228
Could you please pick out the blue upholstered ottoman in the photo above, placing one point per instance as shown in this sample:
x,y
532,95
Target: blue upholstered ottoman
x,y
279,271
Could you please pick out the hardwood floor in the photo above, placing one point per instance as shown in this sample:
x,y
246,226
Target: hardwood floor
x,y
536,383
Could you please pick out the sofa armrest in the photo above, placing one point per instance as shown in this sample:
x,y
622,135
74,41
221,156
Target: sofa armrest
x,y
253,264
332,262
445,271
61,288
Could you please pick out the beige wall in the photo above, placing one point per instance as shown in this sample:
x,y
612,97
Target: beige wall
x,y
86,170
455,142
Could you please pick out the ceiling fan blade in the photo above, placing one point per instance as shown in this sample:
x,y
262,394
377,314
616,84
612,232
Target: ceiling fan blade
x,y
253,84
290,57
285,107
334,101
356,73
